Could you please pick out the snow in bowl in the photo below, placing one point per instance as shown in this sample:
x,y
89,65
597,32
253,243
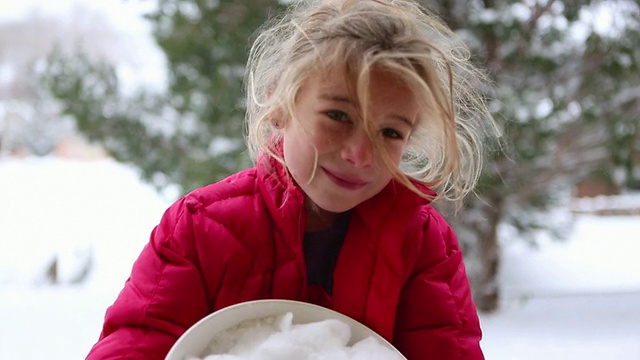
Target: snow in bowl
x,y
280,329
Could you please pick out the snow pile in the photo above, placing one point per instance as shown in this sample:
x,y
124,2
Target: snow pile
x,y
625,204
276,337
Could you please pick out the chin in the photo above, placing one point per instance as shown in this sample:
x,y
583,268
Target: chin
x,y
339,205
338,210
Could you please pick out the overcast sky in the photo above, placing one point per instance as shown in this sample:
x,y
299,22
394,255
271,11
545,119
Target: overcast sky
x,y
125,13
145,62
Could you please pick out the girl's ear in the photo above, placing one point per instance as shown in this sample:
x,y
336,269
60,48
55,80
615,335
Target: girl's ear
x,y
278,119
277,123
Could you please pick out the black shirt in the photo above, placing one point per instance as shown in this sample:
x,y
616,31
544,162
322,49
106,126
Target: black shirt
x,y
321,249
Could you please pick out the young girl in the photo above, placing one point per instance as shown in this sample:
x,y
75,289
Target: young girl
x,y
357,109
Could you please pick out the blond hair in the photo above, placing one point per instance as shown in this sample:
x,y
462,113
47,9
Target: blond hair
x,y
445,150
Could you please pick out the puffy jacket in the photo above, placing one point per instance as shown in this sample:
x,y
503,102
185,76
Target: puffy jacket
x,y
400,270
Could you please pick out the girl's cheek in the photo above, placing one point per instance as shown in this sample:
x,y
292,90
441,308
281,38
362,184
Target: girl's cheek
x,y
395,151
329,134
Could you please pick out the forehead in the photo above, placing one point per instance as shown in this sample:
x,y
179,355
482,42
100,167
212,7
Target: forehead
x,y
381,83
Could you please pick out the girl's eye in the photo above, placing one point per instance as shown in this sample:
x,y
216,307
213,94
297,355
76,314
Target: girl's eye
x,y
338,115
391,133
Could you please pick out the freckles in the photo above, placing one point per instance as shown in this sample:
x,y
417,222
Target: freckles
x,y
322,142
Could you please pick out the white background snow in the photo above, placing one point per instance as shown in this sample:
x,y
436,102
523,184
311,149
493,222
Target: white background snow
x,y
577,299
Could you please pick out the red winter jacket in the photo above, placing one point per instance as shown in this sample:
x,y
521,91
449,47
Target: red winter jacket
x,y
399,271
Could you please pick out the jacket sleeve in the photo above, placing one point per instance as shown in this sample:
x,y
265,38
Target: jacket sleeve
x,y
162,298
436,316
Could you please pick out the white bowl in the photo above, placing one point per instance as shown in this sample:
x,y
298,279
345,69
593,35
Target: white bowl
x,y
195,340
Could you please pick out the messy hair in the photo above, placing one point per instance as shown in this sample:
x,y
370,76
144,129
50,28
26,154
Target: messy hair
x,y
445,149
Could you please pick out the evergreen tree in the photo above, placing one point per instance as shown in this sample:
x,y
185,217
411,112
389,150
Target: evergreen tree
x,y
566,92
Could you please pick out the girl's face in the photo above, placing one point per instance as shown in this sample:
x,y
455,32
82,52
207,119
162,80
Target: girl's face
x,y
347,171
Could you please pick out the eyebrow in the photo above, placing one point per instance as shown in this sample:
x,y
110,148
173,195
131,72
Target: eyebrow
x,y
347,100
338,98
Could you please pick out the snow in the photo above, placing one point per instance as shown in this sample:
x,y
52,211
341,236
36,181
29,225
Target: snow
x,y
72,210
57,207
277,338
575,299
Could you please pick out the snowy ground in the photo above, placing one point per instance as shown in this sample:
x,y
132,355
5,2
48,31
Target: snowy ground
x,y
572,300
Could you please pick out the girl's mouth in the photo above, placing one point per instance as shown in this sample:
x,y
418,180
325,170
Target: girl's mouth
x,y
344,182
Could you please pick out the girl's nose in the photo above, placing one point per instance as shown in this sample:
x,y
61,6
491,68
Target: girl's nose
x,y
358,150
